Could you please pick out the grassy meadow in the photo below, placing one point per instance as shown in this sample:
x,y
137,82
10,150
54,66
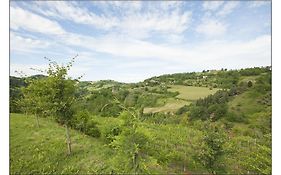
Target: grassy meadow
x,y
42,150
192,93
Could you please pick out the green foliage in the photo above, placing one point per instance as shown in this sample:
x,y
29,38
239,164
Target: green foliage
x,y
42,151
131,100
182,110
80,120
36,97
161,118
131,145
228,132
233,117
92,129
101,103
249,156
212,149
62,96
250,84
15,93
110,132
212,107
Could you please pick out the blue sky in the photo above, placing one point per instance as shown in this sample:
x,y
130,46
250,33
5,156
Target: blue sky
x,y
130,41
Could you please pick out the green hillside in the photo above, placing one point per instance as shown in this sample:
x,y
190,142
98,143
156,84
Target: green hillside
x,y
43,150
215,122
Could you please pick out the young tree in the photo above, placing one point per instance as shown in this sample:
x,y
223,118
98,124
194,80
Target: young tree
x,y
35,98
54,94
61,95
212,149
131,144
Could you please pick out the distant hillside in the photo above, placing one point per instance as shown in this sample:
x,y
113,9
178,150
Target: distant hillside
x,y
208,78
166,93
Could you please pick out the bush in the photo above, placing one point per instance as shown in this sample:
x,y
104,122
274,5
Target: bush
x,y
182,110
92,129
110,132
80,120
212,148
232,117
250,84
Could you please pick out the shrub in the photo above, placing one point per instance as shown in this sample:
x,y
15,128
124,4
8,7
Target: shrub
x,y
92,129
250,84
212,148
80,120
110,132
232,117
182,110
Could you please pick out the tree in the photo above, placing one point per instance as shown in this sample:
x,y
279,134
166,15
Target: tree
x,y
35,98
54,94
61,95
131,145
212,149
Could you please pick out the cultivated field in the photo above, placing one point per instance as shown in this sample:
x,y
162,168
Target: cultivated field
x,y
191,92
171,105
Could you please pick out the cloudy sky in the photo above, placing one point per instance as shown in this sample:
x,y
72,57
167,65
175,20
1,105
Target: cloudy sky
x,y
130,41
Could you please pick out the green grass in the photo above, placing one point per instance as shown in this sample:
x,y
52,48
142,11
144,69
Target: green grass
x,y
248,78
191,92
169,105
186,96
43,150
246,103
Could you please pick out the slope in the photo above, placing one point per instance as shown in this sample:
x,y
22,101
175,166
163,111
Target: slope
x,y
43,150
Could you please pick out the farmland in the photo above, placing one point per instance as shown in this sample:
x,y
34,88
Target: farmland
x,y
192,93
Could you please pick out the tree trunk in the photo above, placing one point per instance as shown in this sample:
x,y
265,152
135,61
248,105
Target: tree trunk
x,y
37,120
135,163
68,140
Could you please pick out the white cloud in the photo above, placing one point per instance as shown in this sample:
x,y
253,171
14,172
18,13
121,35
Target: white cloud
x,y
208,55
212,5
71,11
16,69
26,69
211,28
208,51
22,19
256,4
228,8
25,44
125,36
164,17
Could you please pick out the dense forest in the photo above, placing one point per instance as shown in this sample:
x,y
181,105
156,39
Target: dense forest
x,y
214,121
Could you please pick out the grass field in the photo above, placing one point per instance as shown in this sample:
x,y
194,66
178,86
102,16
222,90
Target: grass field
x,y
246,103
248,78
43,150
170,105
191,92
186,96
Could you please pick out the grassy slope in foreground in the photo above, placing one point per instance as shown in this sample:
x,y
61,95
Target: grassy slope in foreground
x,y
43,150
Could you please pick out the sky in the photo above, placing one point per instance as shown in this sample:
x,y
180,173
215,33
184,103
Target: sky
x,y
129,41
